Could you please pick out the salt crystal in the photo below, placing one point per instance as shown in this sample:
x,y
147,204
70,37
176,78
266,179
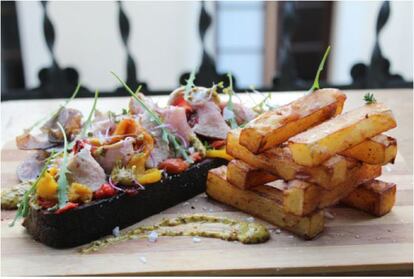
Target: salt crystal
x,y
291,236
357,236
143,259
186,204
153,236
116,232
196,239
250,219
388,168
210,210
278,231
329,215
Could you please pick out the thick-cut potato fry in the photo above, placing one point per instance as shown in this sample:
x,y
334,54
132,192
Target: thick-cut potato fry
x,y
244,176
347,130
278,161
375,197
274,127
355,177
299,197
379,150
266,205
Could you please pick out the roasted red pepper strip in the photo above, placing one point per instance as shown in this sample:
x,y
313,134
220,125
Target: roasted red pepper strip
x,y
105,191
196,156
217,144
181,102
174,165
45,203
67,207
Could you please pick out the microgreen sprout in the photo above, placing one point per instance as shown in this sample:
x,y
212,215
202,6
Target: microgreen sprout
x,y
63,183
189,85
230,105
369,98
315,85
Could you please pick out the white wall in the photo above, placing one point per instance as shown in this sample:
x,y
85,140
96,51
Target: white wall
x,y
353,36
164,40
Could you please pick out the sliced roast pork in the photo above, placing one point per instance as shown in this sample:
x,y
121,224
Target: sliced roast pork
x,y
37,142
108,155
242,113
30,168
69,118
210,121
84,169
175,119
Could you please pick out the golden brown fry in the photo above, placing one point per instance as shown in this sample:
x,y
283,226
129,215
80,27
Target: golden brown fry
x,y
274,127
264,202
375,197
279,162
355,177
347,130
244,176
379,150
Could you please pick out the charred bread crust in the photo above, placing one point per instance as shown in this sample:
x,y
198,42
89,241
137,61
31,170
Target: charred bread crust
x,y
97,219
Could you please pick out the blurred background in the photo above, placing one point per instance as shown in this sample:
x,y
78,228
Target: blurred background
x,y
48,47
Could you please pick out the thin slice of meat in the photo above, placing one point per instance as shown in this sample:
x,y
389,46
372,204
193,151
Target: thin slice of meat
x,y
175,119
242,113
102,125
69,118
108,155
37,142
84,169
30,168
210,122
160,152
136,108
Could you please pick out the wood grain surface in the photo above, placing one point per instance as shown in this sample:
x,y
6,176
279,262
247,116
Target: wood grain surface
x,y
352,243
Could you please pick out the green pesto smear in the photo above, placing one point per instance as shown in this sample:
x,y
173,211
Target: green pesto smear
x,y
244,232
11,197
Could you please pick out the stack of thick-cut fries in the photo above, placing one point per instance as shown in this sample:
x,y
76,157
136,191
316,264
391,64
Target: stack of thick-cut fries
x,y
292,162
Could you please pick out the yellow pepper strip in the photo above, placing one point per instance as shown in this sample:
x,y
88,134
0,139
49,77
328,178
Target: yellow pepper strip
x,y
94,141
47,187
137,162
149,176
53,171
218,153
79,193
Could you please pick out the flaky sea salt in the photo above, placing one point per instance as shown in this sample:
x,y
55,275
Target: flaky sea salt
x,y
196,239
250,219
329,215
152,236
143,259
116,232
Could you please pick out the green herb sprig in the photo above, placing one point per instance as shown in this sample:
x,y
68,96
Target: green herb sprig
x,y
189,85
23,208
63,183
369,98
87,123
167,135
230,105
54,113
315,85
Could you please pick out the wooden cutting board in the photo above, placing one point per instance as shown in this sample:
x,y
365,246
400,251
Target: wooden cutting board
x,y
353,242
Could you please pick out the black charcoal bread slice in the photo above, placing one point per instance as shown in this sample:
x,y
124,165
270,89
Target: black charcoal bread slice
x,y
97,219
